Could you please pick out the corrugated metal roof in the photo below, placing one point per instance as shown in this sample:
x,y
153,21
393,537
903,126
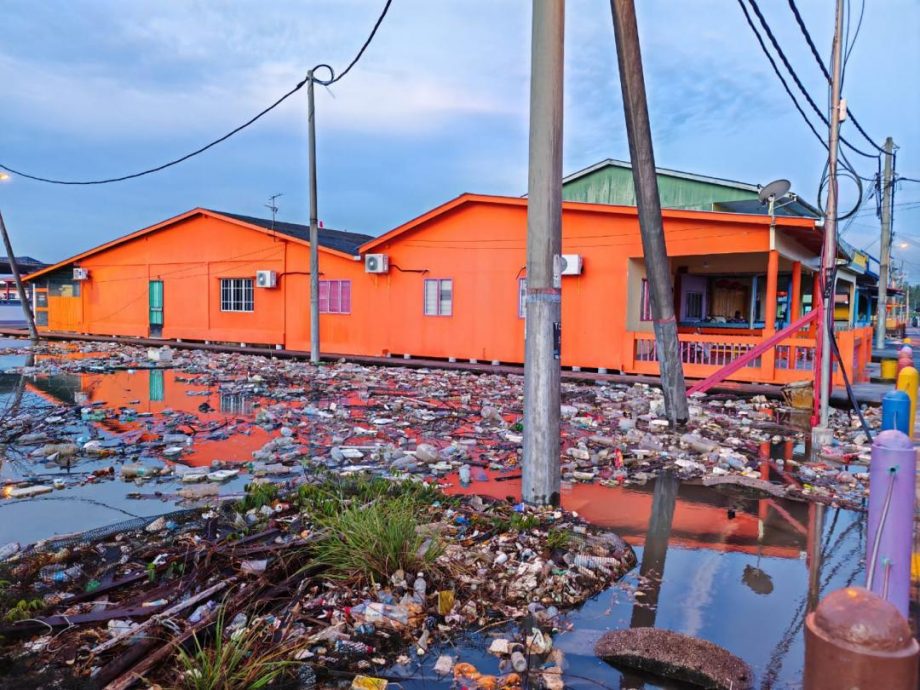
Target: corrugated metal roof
x,y
612,162
339,240
788,209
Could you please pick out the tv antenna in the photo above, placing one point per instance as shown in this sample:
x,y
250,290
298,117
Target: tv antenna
x,y
273,206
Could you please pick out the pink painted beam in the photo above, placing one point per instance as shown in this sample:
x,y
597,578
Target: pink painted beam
x,y
750,355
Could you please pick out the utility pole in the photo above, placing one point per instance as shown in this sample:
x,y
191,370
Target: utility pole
x,y
540,480
642,156
885,261
829,259
314,229
26,305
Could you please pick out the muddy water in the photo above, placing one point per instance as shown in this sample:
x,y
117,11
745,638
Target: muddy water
x,y
732,569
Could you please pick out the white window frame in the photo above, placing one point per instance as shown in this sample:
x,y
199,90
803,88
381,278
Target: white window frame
x,y
522,298
237,295
439,308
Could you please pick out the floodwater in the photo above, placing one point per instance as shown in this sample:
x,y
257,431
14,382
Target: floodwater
x,y
735,570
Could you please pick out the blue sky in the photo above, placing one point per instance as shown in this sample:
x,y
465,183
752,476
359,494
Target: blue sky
x,y
437,107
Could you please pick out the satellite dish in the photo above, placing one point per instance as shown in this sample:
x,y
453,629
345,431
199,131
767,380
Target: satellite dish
x,y
776,189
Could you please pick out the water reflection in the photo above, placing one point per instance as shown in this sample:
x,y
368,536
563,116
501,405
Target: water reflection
x,y
731,568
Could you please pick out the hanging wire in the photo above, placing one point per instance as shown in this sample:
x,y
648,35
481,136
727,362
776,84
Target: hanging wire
x,y
328,82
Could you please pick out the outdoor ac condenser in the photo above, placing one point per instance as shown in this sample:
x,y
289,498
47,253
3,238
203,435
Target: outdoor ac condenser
x,y
376,263
571,264
80,273
266,279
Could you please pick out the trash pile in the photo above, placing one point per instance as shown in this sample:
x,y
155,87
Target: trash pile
x,y
349,575
287,418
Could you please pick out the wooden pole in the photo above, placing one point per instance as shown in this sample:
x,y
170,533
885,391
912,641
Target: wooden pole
x,y
540,471
26,304
651,228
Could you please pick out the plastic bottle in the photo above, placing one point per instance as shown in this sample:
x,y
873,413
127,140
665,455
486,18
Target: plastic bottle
x,y
386,614
465,474
55,573
421,588
518,660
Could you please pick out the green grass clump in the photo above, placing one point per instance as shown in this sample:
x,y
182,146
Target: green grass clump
x,y
258,495
23,609
368,542
557,539
230,663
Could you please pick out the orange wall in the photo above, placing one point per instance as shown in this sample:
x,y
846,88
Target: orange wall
x,y
481,246
190,258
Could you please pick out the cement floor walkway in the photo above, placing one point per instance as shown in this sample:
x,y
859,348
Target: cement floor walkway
x,y
868,393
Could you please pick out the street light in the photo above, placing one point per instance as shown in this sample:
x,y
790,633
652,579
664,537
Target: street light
x,y
4,177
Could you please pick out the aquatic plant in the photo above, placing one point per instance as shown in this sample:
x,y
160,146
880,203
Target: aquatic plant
x,y
231,662
370,541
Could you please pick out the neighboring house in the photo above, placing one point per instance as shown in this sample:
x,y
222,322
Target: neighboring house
x,y
11,313
197,277
450,284
611,182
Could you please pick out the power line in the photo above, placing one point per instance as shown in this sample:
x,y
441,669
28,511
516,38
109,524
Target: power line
x,y
820,61
795,76
779,74
332,80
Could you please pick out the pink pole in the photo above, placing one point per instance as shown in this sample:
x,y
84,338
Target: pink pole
x,y
892,476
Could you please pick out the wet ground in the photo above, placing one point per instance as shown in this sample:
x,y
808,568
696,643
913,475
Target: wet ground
x,y
732,569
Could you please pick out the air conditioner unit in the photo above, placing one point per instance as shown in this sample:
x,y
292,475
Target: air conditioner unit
x,y
266,279
571,264
80,273
376,263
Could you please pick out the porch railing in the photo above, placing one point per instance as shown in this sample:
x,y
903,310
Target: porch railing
x,y
792,360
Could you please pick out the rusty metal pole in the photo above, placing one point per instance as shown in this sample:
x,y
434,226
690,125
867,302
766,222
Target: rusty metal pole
x,y
654,249
542,363
26,304
855,639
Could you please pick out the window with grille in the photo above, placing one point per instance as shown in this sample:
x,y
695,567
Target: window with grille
x,y
335,297
694,305
439,297
646,303
236,294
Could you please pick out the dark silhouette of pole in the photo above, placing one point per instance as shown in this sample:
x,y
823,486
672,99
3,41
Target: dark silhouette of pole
x,y
26,304
540,470
642,156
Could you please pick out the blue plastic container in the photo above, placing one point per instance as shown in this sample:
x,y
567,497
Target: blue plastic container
x,y
896,411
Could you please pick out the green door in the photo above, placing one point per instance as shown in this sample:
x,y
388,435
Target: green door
x,y
156,308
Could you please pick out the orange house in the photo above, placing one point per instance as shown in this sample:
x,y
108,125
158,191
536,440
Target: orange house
x,y
449,284
197,277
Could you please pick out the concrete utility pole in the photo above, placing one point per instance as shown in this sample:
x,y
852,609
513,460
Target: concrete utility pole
x,y
314,230
544,262
26,304
641,153
885,261
830,233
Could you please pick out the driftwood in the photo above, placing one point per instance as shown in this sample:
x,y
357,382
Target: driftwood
x,y
677,656
747,482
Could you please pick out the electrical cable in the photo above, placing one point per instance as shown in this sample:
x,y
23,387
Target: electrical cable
x,y
782,79
332,80
824,70
795,77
